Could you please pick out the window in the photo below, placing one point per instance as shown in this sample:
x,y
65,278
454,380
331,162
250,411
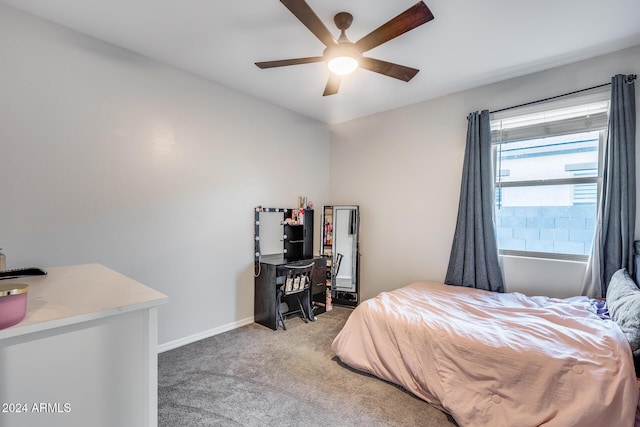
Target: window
x,y
547,177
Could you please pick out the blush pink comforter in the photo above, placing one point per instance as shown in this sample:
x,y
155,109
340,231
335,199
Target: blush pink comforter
x,y
492,359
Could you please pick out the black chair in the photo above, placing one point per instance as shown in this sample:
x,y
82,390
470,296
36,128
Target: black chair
x,y
336,264
296,286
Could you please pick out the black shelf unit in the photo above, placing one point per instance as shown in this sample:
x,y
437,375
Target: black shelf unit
x,y
340,296
326,248
298,238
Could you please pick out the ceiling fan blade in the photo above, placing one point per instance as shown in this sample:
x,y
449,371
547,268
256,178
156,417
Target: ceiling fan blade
x,y
308,17
285,62
390,69
411,18
333,84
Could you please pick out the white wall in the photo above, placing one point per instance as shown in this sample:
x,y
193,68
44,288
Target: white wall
x,y
109,157
403,167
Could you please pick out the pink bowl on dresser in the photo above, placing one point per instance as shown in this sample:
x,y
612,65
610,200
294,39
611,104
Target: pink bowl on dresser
x,y
13,303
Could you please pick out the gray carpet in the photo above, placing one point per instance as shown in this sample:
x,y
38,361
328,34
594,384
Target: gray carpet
x,y
253,376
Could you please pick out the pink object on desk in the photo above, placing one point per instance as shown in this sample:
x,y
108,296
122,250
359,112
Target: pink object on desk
x,y
13,304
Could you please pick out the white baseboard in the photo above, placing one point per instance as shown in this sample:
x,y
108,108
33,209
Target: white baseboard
x,y
202,335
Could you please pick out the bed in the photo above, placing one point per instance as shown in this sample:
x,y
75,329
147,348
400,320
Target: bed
x,y
499,359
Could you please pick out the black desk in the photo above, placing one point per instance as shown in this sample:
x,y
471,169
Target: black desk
x,y
271,269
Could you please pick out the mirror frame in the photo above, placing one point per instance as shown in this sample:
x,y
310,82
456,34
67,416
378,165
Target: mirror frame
x,y
337,295
256,235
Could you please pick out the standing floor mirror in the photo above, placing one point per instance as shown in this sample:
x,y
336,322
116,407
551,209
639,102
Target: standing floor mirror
x,y
340,244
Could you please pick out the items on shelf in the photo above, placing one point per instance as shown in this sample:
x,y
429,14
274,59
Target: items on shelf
x,y
328,233
296,218
302,202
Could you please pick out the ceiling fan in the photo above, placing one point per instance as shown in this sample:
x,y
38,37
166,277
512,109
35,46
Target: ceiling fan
x,y
342,56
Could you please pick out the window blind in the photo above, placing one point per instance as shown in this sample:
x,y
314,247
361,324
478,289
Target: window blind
x,y
559,121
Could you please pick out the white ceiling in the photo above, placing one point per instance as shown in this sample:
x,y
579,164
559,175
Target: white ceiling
x,y
469,43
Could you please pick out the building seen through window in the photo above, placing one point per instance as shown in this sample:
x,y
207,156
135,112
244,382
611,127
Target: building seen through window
x,y
547,179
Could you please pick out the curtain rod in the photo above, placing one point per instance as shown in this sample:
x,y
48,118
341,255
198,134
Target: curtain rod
x,y
630,77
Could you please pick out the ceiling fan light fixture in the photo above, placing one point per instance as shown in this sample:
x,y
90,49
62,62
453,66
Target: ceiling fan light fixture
x,y
343,58
343,65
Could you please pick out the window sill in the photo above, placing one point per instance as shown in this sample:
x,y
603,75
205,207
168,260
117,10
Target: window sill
x,y
545,256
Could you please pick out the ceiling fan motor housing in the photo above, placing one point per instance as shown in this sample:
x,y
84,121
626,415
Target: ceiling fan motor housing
x,y
343,20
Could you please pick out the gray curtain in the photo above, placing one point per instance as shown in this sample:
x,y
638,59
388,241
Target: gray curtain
x,y
474,253
615,232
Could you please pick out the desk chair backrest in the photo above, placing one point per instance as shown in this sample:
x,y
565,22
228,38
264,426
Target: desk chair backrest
x,y
298,278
